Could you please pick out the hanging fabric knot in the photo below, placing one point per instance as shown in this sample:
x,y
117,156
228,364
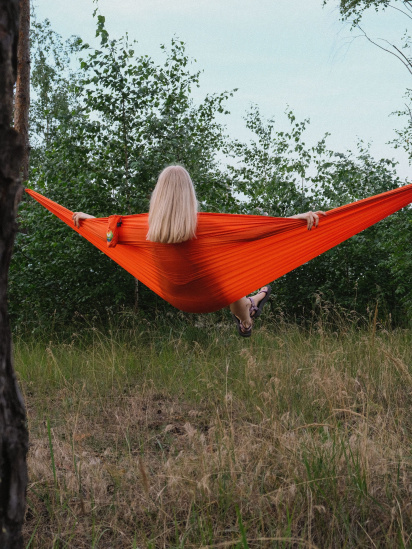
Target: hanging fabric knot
x,y
112,235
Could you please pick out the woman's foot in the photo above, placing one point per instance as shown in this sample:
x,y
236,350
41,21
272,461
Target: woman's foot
x,y
244,329
258,300
247,308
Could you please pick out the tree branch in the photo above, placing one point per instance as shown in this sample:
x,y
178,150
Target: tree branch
x,y
410,114
398,9
406,63
408,5
401,54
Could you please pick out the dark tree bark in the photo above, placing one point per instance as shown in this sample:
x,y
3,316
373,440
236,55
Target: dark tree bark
x,y
13,431
22,97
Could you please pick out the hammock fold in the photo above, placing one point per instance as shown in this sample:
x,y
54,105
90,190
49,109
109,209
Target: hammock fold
x,y
232,255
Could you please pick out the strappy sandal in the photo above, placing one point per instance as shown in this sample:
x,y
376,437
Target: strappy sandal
x,y
243,331
256,311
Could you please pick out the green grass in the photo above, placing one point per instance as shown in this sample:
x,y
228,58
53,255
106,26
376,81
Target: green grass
x,y
189,436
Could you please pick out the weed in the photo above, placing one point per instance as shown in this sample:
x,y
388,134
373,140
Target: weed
x,y
192,437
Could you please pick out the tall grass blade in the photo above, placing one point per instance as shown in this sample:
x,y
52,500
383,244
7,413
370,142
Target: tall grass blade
x,y
51,452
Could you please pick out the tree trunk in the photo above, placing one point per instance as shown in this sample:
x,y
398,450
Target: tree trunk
x,y
13,431
22,98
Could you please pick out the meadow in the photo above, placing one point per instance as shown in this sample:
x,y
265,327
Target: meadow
x,y
176,433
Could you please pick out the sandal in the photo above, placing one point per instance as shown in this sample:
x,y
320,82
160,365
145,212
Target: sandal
x,y
257,310
244,332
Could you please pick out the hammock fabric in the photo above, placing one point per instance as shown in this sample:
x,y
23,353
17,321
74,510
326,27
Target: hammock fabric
x,y
232,255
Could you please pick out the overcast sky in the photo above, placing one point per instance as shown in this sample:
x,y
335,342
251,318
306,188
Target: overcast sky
x,y
278,53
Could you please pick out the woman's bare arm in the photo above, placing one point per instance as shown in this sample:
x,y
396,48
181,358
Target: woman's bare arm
x,y
312,218
78,216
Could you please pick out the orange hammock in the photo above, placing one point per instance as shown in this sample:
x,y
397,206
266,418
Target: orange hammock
x,y
232,255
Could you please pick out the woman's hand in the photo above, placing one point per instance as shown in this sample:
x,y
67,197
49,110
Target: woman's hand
x,y
78,216
312,218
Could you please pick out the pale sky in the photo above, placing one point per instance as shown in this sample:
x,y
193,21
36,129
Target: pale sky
x,y
277,52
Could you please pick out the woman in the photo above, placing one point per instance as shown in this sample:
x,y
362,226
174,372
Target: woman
x,y
173,219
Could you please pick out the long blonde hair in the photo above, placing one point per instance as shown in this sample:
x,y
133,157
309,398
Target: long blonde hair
x,y
173,207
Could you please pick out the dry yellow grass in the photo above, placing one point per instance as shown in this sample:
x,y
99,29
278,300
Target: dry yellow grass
x,y
195,438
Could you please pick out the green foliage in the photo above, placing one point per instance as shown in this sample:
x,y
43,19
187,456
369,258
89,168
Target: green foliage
x,y
54,272
279,175
270,170
105,122
358,273
403,138
354,9
401,49
396,233
397,245
145,118
101,134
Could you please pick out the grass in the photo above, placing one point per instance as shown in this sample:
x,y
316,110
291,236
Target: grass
x,y
154,436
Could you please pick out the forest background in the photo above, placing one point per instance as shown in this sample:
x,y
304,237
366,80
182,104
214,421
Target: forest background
x,y
105,121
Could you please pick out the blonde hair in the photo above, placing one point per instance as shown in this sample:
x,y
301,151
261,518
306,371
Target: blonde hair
x,y
173,207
